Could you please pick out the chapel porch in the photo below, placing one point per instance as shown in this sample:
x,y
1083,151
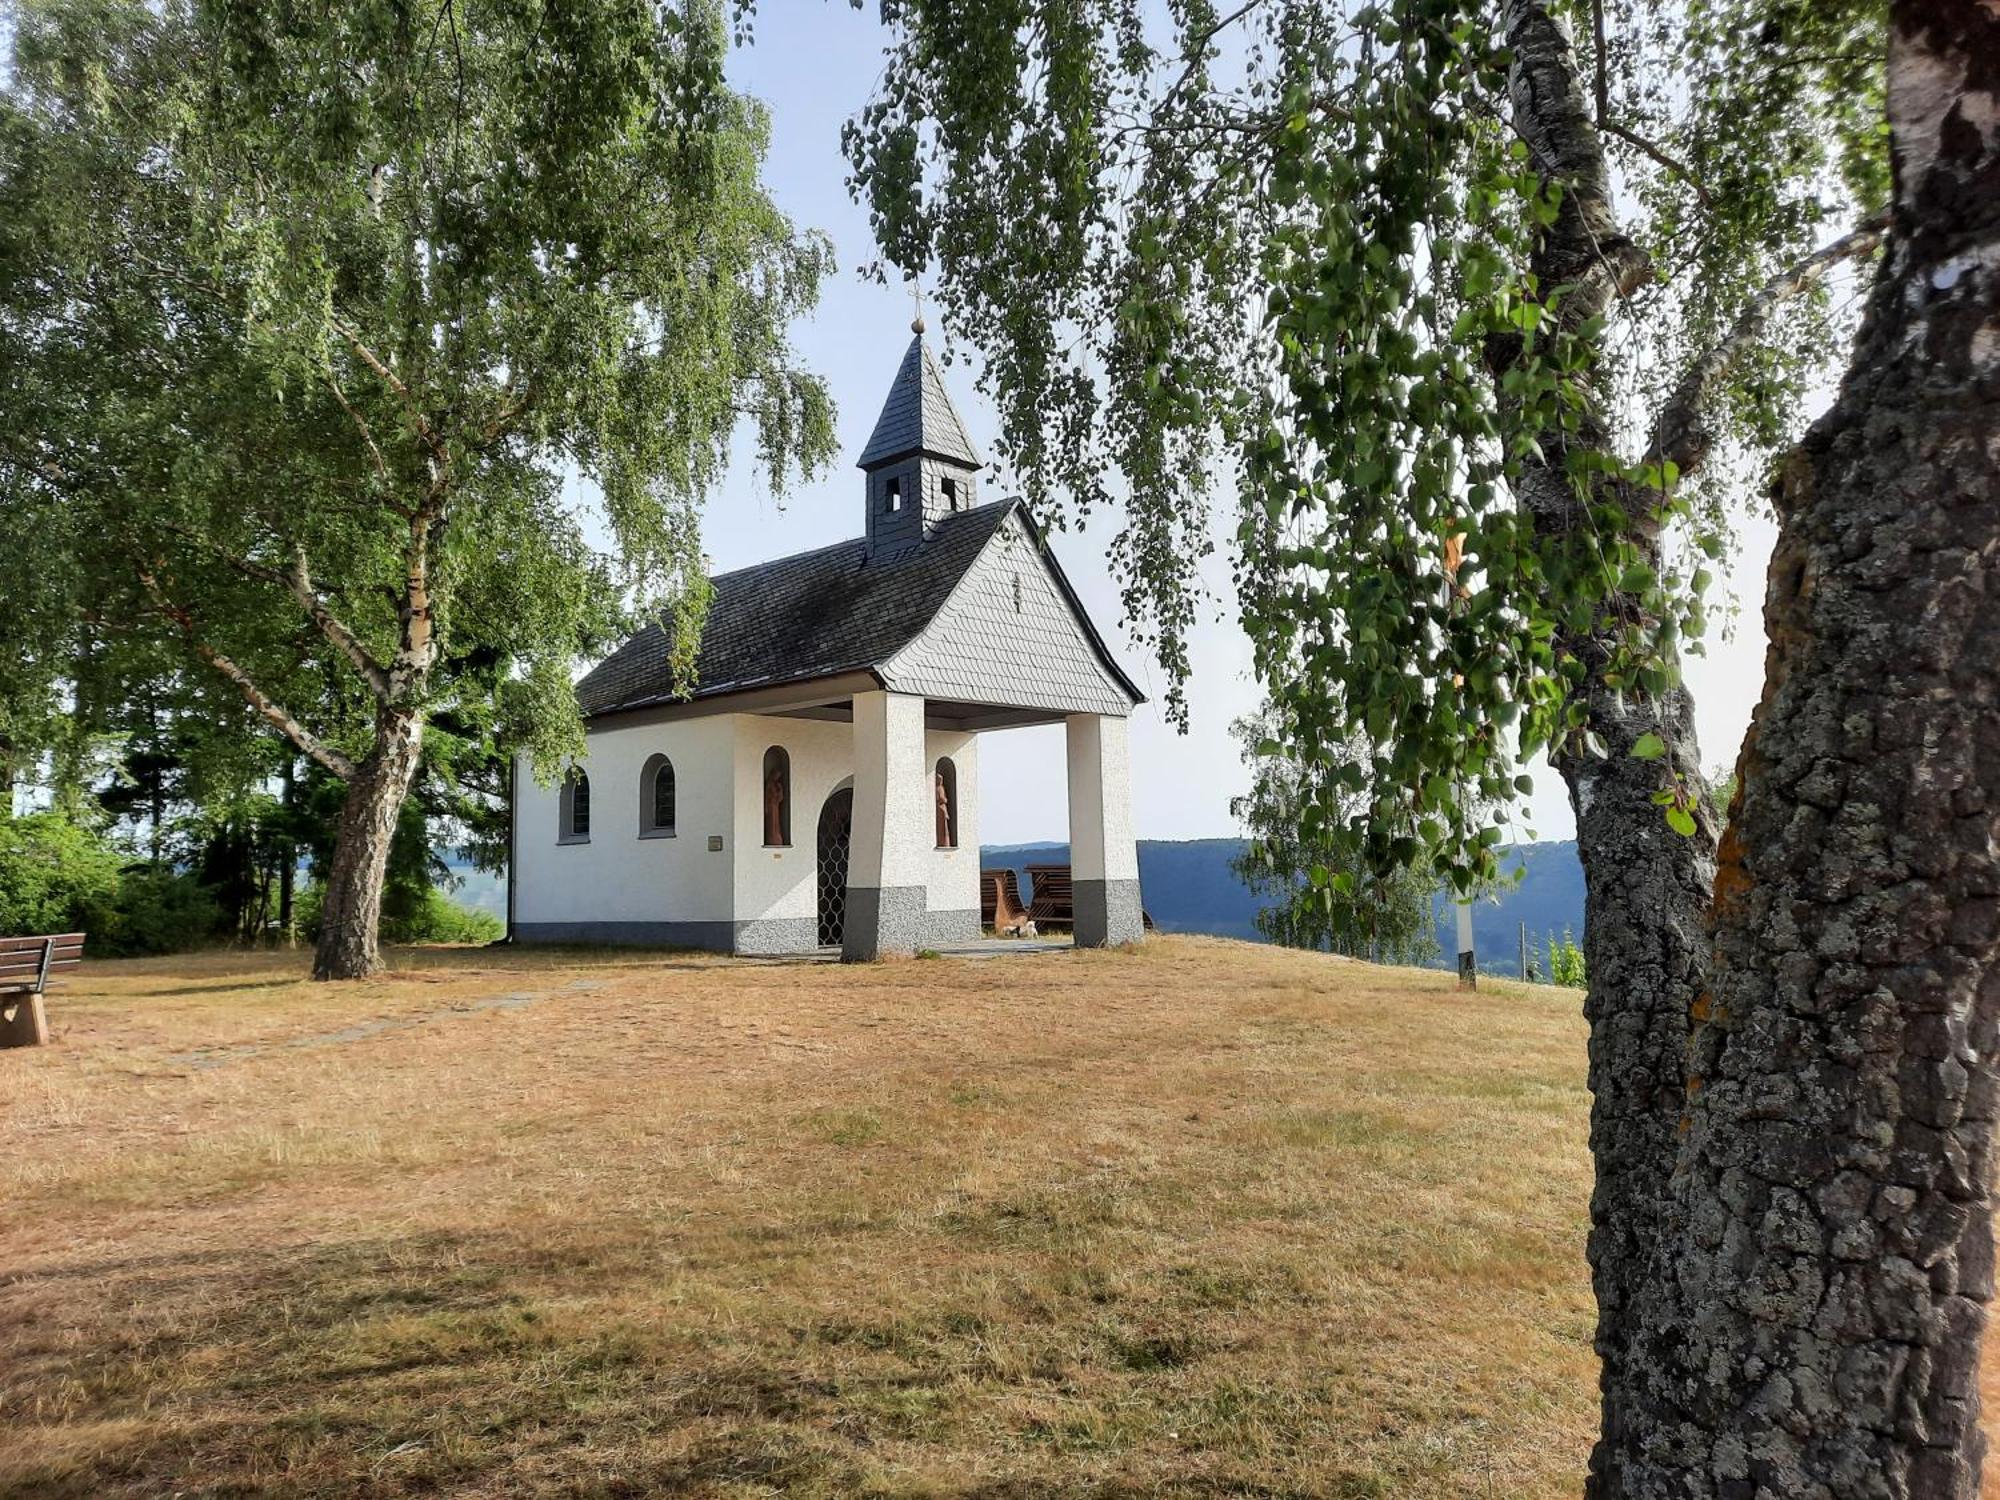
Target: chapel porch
x,y
877,833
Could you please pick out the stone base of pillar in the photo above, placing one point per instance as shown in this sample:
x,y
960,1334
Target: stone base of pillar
x,y
881,920
1107,913
23,1022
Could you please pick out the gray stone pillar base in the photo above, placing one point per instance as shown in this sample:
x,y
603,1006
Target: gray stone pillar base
x,y
951,929
1107,913
881,919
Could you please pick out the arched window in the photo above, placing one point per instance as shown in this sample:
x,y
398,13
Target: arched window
x,y
574,827
656,798
777,798
944,788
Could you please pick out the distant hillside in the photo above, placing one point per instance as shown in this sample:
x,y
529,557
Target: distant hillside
x,y
1189,887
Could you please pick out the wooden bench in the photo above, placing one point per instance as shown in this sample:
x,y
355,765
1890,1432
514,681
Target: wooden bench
x,y
1053,903
25,966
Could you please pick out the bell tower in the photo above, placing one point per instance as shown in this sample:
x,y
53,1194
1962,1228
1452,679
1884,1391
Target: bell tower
x,y
920,465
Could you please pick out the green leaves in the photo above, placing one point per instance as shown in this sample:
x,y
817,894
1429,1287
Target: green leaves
x,y
1316,893
1312,239
361,285
1648,746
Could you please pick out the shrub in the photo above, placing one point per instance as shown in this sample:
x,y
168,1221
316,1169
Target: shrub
x,y
439,919
156,911
1566,963
56,875
432,917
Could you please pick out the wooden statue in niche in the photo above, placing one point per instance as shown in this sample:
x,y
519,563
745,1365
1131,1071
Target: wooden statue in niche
x,y
775,797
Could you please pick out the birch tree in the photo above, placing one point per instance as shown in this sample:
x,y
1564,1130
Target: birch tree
x,y
306,311
1814,1318
1488,329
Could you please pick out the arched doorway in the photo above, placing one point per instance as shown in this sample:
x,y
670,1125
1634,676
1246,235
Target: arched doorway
x,y
836,828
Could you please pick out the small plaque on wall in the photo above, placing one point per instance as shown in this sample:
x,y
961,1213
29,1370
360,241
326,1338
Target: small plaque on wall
x,y
715,843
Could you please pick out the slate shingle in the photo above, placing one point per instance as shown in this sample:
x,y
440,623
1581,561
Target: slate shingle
x,y
918,416
810,615
1013,633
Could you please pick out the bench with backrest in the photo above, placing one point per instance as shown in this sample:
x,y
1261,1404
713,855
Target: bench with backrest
x,y
1053,903
25,966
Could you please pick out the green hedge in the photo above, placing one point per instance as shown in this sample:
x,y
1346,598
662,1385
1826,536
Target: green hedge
x,y
57,875
435,918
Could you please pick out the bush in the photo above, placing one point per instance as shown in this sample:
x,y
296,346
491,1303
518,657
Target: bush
x,y
1566,963
156,911
58,875
439,919
55,876
432,917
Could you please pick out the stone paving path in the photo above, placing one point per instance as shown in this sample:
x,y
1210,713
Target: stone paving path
x,y
214,1057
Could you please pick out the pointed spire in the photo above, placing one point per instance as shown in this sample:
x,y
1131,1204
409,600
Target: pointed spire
x,y
918,416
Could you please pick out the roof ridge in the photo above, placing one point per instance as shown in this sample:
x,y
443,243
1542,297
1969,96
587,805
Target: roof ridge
x,y
824,610
949,519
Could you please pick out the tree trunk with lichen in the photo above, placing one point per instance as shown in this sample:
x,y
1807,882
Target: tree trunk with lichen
x,y
1645,886
1814,1325
350,915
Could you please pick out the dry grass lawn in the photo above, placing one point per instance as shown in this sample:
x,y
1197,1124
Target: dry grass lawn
x,y
1204,1220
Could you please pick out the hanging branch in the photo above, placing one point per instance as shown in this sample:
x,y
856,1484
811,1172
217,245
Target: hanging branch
x,y
298,582
1679,435
255,696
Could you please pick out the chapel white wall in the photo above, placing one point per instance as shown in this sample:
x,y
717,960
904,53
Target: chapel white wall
x,y
618,876
954,873
779,882
776,883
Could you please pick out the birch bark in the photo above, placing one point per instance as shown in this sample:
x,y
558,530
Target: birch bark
x,y
1814,1325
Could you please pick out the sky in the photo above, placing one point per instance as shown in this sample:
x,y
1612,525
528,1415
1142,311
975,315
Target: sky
x,y
815,66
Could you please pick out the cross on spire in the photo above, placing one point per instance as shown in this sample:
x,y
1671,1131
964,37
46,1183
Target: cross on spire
x,y
917,302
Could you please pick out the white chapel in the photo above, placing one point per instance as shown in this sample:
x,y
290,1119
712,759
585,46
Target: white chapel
x,y
818,787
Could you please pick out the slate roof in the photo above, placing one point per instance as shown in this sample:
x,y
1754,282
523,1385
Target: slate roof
x,y
918,416
811,615
820,614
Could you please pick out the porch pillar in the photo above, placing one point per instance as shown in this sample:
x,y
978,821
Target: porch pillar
x,y
1103,856
894,811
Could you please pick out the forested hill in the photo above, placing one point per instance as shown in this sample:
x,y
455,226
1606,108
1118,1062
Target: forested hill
x,y
1189,887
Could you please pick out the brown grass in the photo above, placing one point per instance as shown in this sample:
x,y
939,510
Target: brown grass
x,y
1204,1220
